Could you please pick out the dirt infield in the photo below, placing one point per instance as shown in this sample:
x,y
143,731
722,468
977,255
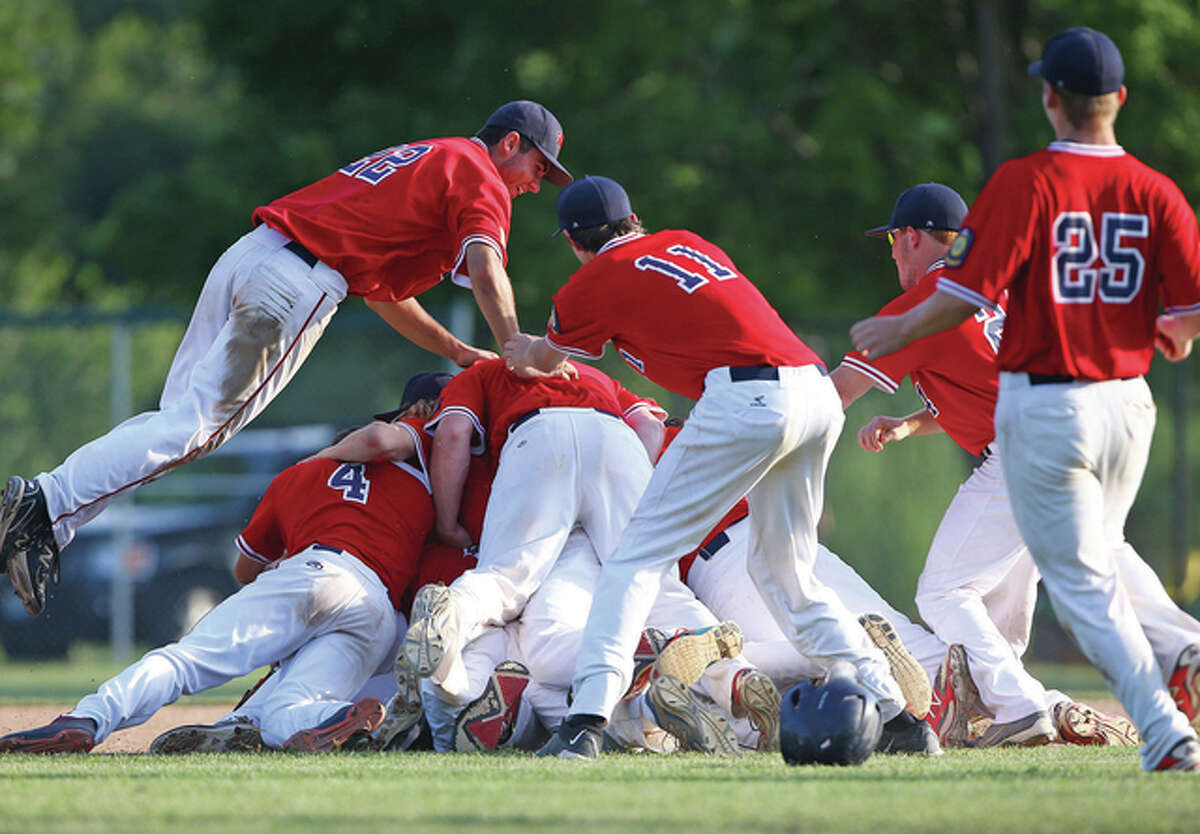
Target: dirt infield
x,y
133,740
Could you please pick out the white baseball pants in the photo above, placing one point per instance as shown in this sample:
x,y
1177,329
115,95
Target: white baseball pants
x,y
326,614
769,440
561,467
1074,458
258,317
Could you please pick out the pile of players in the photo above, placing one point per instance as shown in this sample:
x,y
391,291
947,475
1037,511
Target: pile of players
x,y
529,514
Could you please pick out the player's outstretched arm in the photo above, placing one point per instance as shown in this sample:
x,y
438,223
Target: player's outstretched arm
x,y
374,441
532,357
881,335
884,430
412,322
1173,335
448,474
493,291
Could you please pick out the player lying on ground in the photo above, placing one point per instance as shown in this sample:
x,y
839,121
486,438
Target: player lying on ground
x,y
342,542
385,228
765,422
1088,242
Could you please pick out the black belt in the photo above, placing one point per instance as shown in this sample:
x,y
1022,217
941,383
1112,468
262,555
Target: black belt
x,y
1049,379
745,373
710,550
326,547
297,249
529,415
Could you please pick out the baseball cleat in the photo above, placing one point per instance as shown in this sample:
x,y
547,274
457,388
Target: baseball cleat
x,y
1080,724
905,733
756,696
431,630
689,653
1183,756
1184,683
404,710
1033,730
678,711
487,722
576,739
27,542
237,736
954,696
649,647
908,673
350,722
65,734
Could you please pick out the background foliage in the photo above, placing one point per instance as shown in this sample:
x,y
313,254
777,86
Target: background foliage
x,y
136,138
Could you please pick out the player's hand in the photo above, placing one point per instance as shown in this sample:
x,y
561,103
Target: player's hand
x,y
455,535
519,356
881,431
1171,338
469,355
879,336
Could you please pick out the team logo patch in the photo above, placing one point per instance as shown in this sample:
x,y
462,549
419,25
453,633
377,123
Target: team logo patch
x,y
960,248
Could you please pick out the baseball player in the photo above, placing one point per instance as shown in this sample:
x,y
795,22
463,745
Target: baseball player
x,y
342,542
1088,241
386,227
764,426
566,456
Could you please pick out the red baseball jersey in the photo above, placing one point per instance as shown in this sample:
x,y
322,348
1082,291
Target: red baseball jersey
x,y
1089,242
493,397
397,222
954,372
380,511
675,307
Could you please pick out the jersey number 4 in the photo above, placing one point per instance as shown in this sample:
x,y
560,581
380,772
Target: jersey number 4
x,y
688,280
1078,279
351,480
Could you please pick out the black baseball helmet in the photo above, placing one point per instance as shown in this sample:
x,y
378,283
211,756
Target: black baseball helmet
x,y
834,721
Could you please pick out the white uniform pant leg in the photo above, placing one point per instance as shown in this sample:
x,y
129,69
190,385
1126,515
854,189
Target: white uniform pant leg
x,y
1074,458
734,436
977,553
258,317
1168,628
479,657
269,619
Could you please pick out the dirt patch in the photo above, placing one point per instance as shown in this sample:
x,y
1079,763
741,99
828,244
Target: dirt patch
x,y
131,740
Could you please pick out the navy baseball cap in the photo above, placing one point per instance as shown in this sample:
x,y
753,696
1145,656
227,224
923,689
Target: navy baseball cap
x,y
592,201
927,206
423,386
538,125
1081,60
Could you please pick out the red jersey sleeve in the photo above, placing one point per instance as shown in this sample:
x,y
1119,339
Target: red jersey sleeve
x,y
465,395
477,210
1179,254
579,318
262,540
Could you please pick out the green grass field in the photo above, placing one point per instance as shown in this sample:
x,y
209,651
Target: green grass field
x,y
1057,788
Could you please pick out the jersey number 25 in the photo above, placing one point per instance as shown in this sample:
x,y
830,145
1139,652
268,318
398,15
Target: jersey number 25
x,y
1077,278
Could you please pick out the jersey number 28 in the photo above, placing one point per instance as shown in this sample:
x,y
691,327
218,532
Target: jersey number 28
x,y
1077,278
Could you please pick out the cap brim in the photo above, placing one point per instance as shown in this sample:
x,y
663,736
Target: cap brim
x,y
878,231
556,174
1035,68
389,416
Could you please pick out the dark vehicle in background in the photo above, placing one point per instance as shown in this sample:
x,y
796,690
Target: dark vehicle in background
x,y
174,537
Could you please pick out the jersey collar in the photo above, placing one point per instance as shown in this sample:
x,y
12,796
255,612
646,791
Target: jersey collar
x,y
1065,146
617,241
936,265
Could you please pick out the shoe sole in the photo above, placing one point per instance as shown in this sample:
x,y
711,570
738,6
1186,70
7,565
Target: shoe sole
x,y
908,673
1080,724
404,710
688,655
425,641
1186,693
206,738
761,700
361,718
679,713
65,741
492,705
958,732
1036,734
